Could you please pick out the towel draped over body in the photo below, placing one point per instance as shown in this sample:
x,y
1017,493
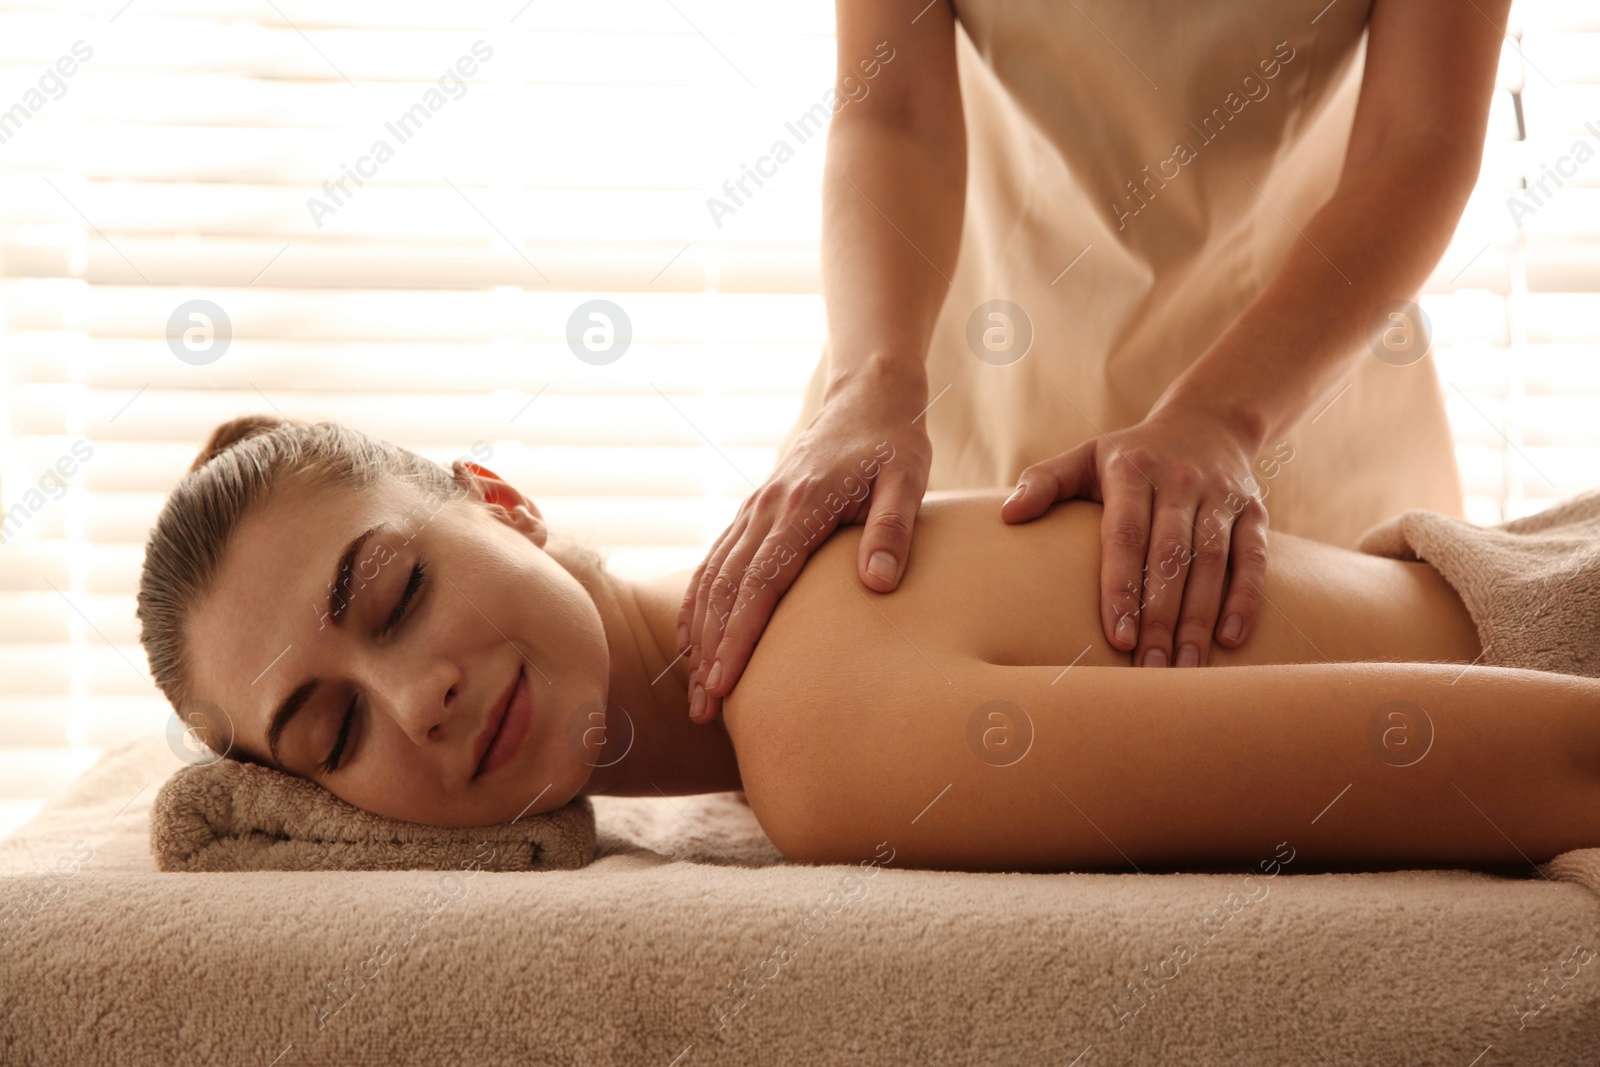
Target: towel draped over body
x,y
1531,585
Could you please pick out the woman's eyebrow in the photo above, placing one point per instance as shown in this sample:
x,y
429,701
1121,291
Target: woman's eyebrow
x,y
346,565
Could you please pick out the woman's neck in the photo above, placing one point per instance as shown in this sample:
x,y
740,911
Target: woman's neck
x,y
664,752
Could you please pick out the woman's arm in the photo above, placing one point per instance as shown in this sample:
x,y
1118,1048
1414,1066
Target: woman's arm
x,y
1413,158
1134,769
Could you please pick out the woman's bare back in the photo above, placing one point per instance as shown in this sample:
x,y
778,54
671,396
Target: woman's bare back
x,y
1029,594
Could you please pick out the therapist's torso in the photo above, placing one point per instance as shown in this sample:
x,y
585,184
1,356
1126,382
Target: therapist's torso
x,y
1135,174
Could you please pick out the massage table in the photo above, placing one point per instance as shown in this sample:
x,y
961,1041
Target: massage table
x,y
690,941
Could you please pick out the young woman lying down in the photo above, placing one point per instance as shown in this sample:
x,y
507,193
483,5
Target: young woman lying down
x,y
414,640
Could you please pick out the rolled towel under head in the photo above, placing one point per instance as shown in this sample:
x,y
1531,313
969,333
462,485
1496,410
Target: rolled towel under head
x,y
1531,585
233,816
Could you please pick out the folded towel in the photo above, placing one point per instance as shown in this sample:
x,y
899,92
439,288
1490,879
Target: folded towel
x,y
232,816
1531,585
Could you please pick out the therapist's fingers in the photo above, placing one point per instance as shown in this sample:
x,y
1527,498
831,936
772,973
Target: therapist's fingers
x,y
709,574
1062,477
760,568
765,581
1166,569
886,541
722,591
1248,584
1124,543
1203,588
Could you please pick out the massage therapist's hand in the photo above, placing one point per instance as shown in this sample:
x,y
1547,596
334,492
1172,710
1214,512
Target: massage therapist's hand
x,y
1180,504
861,459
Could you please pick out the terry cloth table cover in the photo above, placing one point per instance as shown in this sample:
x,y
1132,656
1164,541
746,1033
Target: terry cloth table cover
x,y
690,940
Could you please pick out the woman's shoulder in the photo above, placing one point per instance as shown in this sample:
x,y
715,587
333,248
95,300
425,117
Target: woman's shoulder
x,y
813,622
976,589
818,610
971,577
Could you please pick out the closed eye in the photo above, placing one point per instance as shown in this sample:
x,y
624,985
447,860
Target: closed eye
x,y
413,586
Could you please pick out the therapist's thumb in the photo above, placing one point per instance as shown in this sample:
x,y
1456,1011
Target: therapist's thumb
x,y
886,544
1058,478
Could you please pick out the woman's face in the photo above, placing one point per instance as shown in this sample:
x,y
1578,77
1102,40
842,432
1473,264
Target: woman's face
x,y
427,693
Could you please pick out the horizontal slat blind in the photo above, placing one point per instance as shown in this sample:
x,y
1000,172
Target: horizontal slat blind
x,y
187,158
1515,302
429,304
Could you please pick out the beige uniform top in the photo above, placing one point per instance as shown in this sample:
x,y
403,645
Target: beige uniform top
x,y
1241,111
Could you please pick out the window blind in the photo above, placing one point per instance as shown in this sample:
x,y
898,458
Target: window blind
x,y
398,209
1515,302
397,216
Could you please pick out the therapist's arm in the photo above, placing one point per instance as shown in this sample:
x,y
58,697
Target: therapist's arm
x,y
1413,158
1410,163
893,194
894,186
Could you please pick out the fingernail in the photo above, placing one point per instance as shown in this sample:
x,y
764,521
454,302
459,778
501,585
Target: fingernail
x,y
683,635
715,676
1188,656
1125,629
1231,627
697,702
881,565
1022,487
1155,658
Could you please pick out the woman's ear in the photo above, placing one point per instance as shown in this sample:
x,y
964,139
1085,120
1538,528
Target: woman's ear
x,y
506,503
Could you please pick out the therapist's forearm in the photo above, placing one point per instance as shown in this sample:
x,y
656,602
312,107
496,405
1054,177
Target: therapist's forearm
x,y
1376,240
892,202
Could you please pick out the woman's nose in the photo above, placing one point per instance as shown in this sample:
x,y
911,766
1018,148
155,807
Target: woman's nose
x,y
425,700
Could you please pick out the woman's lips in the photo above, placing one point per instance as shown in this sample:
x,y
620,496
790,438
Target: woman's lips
x,y
513,728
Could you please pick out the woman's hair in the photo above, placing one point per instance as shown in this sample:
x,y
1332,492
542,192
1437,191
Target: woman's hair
x,y
247,461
